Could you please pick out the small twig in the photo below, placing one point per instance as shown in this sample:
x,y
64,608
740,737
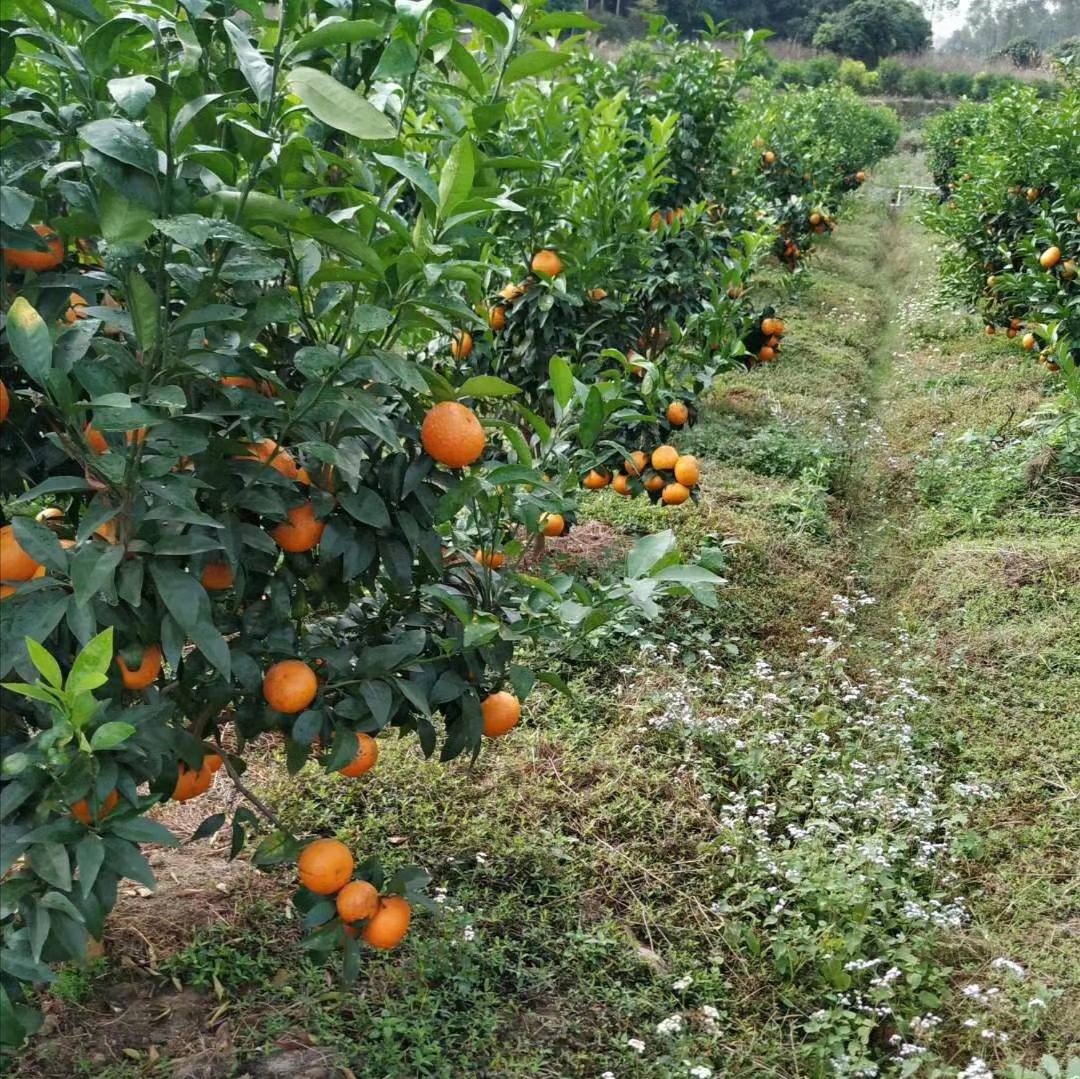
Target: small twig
x,y
253,798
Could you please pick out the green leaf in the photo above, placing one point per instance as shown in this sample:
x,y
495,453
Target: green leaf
x,y
110,735
276,849
50,862
190,110
648,551
487,386
145,311
553,680
456,181
339,107
92,664
210,826
187,601
93,569
29,339
15,206
365,506
564,20
132,93
89,854
592,417
46,665
38,924
23,968
122,141
337,31
533,63
687,575
125,860
123,221
258,73
561,376
485,22
416,174
143,830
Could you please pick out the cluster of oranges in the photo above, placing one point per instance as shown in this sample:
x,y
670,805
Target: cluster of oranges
x,y
546,261
326,867
772,331
665,475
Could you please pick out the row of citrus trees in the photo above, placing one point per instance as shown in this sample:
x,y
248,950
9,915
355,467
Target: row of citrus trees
x,y
1009,173
312,328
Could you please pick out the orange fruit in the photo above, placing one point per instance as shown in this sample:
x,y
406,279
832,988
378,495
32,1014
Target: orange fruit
x,y
461,345
815,219
388,927
490,559
5,403
452,434
269,452
325,866
687,470
1069,269
301,531
768,157
38,261
367,753
677,413
357,901
860,176
553,524
654,220
243,382
50,513
766,354
147,671
664,458
636,463
991,330
138,435
655,482
1032,194
621,484
547,262
191,782
217,576
1050,258
75,305
15,563
596,481
213,761
497,317
513,292
597,294
501,713
771,326
95,439
675,494
1028,341
290,686
80,810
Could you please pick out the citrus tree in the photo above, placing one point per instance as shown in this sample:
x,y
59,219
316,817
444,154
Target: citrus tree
x,y
1010,210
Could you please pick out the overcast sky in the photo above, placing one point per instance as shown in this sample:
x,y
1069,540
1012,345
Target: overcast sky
x,y
946,23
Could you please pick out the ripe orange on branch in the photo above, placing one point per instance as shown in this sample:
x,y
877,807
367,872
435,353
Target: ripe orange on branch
x,y
452,434
553,524
501,712
388,927
145,674
357,901
301,531
290,686
664,458
595,480
687,470
677,413
547,262
461,345
675,494
38,261
191,782
5,403
80,810
325,866
15,563
1050,258
217,576
367,753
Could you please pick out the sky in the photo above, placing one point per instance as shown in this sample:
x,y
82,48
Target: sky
x,y
950,21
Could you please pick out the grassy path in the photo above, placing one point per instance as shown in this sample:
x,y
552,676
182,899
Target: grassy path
x,y
830,828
